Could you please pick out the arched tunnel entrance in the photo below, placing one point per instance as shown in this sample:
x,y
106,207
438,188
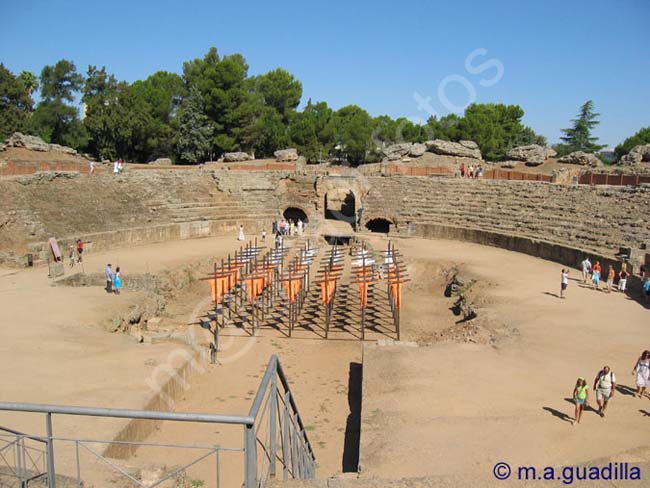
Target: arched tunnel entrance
x,y
379,225
295,214
341,205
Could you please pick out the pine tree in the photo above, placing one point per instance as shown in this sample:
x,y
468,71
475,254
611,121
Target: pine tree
x,y
578,137
195,131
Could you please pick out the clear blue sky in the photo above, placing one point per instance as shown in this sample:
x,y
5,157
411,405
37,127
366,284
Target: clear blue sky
x,y
377,54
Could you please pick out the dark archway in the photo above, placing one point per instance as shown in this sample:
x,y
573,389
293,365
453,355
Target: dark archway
x,y
295,213
379,225
341,205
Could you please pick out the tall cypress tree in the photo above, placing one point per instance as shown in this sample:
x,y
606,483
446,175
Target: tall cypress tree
x,y
578,137
195,131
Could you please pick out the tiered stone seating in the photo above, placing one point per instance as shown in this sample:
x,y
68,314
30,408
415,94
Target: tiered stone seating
x,y
595,218
132,208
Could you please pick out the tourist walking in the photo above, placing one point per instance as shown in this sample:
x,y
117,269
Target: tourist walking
x,y
580,398
622,279
565,282
595,274
109,278
611,274
241,236
586,269
604,386
462,170
642,372
264,236
117,281
646,289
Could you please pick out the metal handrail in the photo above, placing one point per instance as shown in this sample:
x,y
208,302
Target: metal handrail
x,y
126,414
297,453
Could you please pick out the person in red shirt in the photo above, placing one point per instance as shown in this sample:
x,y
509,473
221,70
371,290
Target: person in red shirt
x,y
80,249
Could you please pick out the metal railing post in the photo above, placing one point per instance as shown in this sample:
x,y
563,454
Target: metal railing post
x,y
51,476
285,435
273,419
19,461
76,446
295,462
250,454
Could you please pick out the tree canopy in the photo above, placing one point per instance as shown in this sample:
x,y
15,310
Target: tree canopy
x,y
55,119
15,102
215,106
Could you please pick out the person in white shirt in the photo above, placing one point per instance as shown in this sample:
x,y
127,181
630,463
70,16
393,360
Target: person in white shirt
x,y
604,386
565,282
586,270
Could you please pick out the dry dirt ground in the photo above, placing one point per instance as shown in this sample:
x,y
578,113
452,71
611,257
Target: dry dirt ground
x,y
440,408
451,408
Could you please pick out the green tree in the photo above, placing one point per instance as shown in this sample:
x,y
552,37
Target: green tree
x,y
107,121
579,137
353,133
493,127
446,128
313,132
281,91
157,98
55,120
263,133
225,93
195,130
30,81
15,103
640,138
528,136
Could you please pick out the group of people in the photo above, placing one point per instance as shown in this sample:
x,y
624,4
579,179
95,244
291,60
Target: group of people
x,y
76,253
594,274
288,227
471,171
605,386
113,279
118,167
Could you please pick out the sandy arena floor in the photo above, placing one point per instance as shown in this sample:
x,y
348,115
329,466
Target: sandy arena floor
x,y
480,403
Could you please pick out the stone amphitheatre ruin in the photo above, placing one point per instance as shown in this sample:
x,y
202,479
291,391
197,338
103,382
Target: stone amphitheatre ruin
x,y
436,401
